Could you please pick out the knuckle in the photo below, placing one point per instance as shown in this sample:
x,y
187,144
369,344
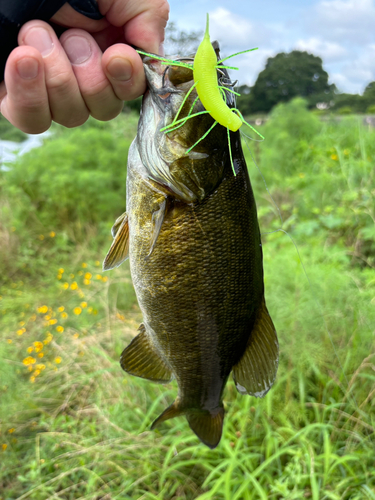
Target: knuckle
x,y
63,82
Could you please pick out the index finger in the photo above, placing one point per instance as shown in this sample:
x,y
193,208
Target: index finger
x,y
143,21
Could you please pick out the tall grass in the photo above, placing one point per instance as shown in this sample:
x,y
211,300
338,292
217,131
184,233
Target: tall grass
x,y
79,427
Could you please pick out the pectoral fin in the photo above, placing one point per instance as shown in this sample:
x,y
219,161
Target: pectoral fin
x,y
119,250
157,221
255,373
141,359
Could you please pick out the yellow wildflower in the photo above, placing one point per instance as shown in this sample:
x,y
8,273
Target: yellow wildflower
x,y
40,366
86,281
76,335
97,262
77,311
52,234
9,341
11,430
38,346
64,315
52,321
90,309
47,317
84,264
59,276
58,360
32,379
61,270
40,354
334,157
98,276
105,278
48,339
88,276
4,446
83,304
21,323
61,309
21,331
30,349
42,309
66,286
74,286
29,361
30,368
59,329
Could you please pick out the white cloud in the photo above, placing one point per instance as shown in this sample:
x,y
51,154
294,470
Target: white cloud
x,y
345,20
328,51
233,30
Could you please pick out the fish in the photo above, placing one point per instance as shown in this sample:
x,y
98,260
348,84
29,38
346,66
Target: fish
x,y
192,237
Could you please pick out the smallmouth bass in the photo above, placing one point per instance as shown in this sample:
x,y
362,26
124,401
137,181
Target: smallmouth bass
x,y
192,236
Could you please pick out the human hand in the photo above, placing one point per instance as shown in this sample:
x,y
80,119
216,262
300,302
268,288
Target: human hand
x,y
90,70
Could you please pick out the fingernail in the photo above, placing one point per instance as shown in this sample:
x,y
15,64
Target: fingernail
x,y
40,39
77,48
28,68
120,69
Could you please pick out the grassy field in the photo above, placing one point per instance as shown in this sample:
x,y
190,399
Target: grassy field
x,y
74,426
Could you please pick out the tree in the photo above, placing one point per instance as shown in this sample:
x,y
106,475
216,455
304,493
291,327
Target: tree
x,y
369,96
288,75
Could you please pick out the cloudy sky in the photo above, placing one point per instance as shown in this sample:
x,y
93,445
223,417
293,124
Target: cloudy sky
x,y
341,32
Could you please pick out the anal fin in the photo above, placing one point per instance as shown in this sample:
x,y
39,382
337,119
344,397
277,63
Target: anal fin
x,y
256,371
119,250
141,359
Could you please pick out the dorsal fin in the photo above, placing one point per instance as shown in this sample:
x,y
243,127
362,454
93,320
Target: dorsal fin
x,y
255,373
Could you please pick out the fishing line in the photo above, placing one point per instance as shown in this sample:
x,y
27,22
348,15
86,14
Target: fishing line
x,y
348,395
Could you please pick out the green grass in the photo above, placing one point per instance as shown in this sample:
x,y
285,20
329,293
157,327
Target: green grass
x,y
79,429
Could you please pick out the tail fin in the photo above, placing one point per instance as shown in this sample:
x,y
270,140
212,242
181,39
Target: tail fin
x,y
207,425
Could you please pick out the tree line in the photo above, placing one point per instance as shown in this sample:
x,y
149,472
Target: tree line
x,y
297,73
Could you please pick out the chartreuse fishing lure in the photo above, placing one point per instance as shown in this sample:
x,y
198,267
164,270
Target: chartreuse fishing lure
x,y
211,95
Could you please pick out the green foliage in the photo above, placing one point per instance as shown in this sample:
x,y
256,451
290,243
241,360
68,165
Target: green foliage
x,y
345,110
288,75
73,425
74,187
10,133
371,109
331,164
288,132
